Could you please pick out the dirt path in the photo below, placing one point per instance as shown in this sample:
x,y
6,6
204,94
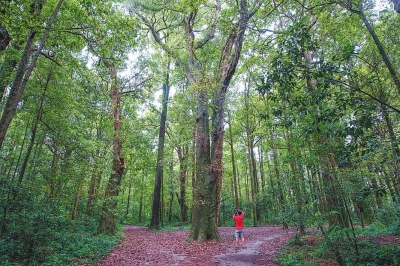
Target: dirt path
x,y
143,247
254,251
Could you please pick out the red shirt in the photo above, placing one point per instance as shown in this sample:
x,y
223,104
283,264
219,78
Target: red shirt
x,y
238,221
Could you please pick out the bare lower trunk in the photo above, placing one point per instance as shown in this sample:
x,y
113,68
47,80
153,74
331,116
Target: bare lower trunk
x,y
76,204
204,225
235,183
183,173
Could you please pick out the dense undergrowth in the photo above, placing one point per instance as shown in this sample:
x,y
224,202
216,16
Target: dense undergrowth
x,y
48,243
377,244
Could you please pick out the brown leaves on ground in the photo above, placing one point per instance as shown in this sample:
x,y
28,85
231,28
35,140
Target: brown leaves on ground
x,y
144,247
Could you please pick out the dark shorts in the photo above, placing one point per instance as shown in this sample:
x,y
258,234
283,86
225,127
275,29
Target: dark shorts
x,y
239,233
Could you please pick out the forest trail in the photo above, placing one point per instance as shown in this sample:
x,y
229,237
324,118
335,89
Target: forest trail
x,y
252,252
141,246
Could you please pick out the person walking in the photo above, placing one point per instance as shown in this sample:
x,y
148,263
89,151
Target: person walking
x,y
238,217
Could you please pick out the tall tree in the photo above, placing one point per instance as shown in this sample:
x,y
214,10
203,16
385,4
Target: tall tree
x,y
110,50
156,209
195,17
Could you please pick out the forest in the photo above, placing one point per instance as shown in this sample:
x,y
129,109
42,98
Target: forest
x,y
170,114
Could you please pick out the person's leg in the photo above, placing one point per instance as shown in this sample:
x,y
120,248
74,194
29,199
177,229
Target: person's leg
x,y
237,238
242,237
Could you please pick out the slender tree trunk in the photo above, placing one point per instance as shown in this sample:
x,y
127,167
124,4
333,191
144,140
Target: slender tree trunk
x,y
92,189
21,78
333,190
76,204
388,184
275,206
379,46
378,196
395,151
171,201
128,201
235,185
261,162
277,170
34,130
155,217
183,173
16,90
381,50
297,181
140,212
251,158
52,184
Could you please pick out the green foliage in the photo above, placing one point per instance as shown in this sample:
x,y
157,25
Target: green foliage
x,y
314,249
389,216
379,255
46,240
81,248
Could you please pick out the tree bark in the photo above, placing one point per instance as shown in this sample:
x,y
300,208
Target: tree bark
x,y
204,204
183,173
235,183
251,158
107,224
76,204
155,217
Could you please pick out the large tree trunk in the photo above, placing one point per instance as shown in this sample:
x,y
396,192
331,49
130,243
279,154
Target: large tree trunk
x,y
204,204
16,90
155,217
229,60
107,224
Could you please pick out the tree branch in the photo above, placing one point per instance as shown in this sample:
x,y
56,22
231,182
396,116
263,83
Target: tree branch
x,y
211,33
